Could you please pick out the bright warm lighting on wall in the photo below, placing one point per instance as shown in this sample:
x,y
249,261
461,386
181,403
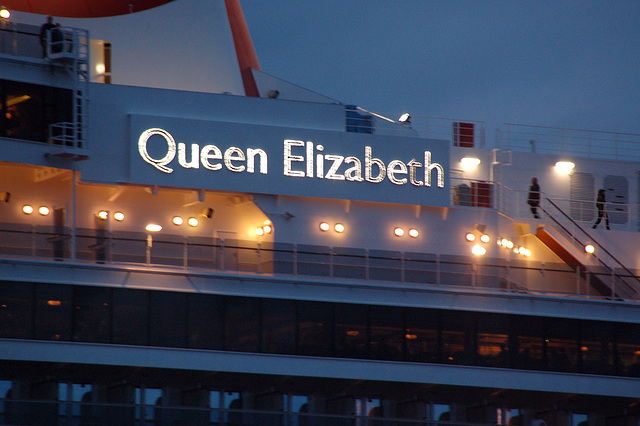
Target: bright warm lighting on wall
x,y
119,216
177,220
589,248
259,232
324,226
469,163
103,215
193,222
478,250
564,167
267,229
100,69
27,209
398,232
339,228
470,237
413,233
44,210
4,13
152,227
484,238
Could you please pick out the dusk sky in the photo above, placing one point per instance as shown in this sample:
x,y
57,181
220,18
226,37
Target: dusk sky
x,y
573,64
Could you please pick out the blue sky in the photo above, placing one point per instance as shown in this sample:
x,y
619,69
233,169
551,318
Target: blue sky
x,y
573,64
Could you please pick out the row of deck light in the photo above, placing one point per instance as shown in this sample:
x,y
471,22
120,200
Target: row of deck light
x,y
508,244
29,209
104,215
399,232
265,229
338,227
471,237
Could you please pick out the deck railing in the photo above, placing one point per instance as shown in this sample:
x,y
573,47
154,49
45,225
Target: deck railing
x,y
197,254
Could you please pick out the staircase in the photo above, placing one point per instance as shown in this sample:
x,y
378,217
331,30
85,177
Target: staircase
x,y
601,270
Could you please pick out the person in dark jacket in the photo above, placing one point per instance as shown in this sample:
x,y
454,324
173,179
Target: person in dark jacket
x,y
534,197
44,29
602,209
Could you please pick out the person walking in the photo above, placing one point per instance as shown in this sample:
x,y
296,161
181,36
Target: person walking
x,y
534,197
601,205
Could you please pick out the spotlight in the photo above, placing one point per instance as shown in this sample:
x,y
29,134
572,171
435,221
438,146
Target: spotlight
x,y
484,238
478,250
177,220
267,229
43,210
324,226
470,236
27,209
339,228
192,222
260,232
152,227
469,163
564,167
398,232
4,13
589,248
103,215
405,118
119,216
413,233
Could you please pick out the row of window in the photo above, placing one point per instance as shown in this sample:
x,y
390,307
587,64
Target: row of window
x,y
202,321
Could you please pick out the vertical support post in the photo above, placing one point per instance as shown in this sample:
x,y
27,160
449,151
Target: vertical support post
x,y
185,252
73,212
295,259
259,257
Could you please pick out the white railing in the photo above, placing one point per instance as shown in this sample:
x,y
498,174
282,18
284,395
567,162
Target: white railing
x,y
580,143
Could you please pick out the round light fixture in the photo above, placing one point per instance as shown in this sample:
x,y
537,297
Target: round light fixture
x,y
177,220
119,216
413,233
193,222
398,232
339,228
324,226
27,209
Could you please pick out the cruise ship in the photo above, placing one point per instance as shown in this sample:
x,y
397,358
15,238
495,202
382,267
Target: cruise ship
x,y
186,239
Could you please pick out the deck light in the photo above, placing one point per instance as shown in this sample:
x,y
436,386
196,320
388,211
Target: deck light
x,y
564,167
4,13
152,227
103,215
193,222
398,232
260,232
413,233
589,248
339,228
119,216
470,236
469,163
177,220
485,238
27,209
324,226
478,250
44,210
267,229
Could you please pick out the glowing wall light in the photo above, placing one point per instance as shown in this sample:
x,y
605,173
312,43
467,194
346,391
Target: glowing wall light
x,y
478,250
398,232
470,236
103,215
152,227
27,209
339,228
119,216
193,222
589,248
44,210
324,226
177,220
4,13
267,229
469,163
485,238
413,233
564,167
259,232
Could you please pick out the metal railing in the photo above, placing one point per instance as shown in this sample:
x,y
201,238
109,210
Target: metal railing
x,y
71,413
197,254
574,142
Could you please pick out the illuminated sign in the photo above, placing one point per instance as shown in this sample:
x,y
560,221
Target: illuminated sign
x,y
301,160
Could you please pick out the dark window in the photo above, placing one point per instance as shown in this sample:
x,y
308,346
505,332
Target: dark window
x,y
167,324
628,349
205,319
242,324
458,338
387,333
422,330
597,348
130,317
16,310
278,326
527,343
315,329
562,345
29,109
351,331
53,312
91,310
493,340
